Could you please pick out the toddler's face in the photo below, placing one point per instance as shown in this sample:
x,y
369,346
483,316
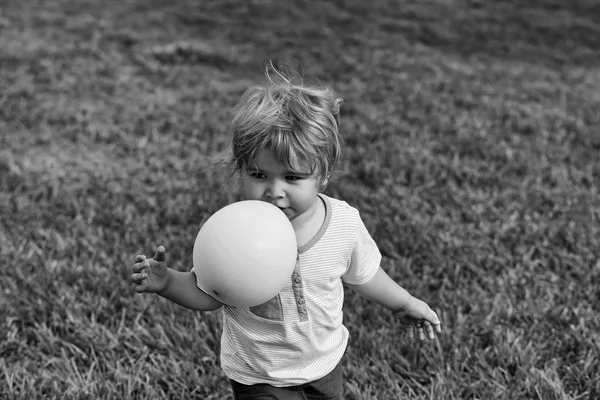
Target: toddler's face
x,y
293,192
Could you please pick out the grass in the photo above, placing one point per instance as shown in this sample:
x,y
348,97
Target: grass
x,y
472,133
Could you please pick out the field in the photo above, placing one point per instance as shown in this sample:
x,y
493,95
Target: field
x,y
472,134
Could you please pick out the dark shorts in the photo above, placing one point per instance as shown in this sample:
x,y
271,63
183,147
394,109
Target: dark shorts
x,y
327,388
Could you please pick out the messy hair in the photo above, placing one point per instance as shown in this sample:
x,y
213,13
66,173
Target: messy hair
x,y
292,120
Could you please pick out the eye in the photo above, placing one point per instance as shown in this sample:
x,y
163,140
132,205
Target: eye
x,y
294,178
256,175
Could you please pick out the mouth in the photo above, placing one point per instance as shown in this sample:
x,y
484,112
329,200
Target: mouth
x,y
283,209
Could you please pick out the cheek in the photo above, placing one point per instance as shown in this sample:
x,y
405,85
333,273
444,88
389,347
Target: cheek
x,y
251,189
306,195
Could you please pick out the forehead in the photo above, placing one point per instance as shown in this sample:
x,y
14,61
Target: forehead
x,y
267,161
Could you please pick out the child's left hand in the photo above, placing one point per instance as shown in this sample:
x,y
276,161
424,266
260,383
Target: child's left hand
x,y
420,317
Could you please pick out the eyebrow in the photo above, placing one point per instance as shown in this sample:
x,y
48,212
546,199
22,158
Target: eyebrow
x,y
287,172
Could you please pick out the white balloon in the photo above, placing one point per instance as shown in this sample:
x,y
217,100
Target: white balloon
x,y
245,253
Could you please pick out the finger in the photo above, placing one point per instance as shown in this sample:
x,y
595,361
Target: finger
x,y
435,321
138,267
139,288
433,318
157,267
139,258
139,282
138,278
421,333
160,254
428,328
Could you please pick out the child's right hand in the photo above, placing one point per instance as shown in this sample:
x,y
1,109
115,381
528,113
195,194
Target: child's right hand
x,y
150,275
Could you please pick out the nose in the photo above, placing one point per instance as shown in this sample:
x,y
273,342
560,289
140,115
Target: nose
x,y
275,190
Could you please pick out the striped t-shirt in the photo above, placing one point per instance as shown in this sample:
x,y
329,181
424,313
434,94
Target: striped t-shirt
x,y
298,336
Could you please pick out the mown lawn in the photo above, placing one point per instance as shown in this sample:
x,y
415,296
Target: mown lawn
x,y
473,140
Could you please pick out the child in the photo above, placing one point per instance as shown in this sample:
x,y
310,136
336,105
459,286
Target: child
x,y
285,146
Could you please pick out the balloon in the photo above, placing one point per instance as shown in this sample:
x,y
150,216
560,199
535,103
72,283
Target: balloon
x,y
245,253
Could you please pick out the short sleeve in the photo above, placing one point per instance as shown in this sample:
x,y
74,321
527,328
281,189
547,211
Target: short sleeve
x,y
365,257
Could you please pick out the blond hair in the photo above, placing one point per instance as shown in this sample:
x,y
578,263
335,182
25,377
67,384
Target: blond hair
x,y
290,119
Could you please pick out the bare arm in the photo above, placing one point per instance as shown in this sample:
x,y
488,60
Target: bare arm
x,y
384,291
153,276
387,293
182,290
